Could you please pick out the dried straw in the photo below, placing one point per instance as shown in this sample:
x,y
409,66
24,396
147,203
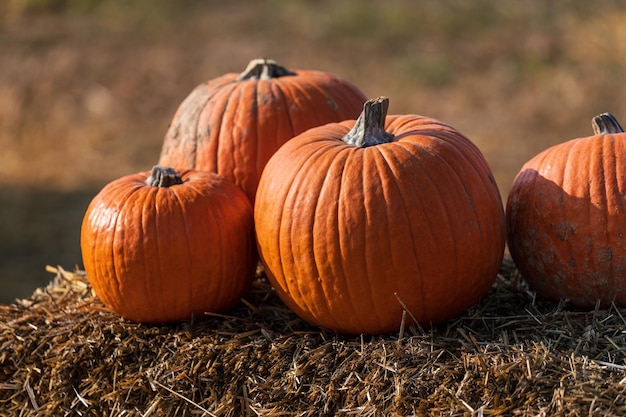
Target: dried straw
x,y
63,353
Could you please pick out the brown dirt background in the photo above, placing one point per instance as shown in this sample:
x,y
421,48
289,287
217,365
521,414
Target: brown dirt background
x,y
87,88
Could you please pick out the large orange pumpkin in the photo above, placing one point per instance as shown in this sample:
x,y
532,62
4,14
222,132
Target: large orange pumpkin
x,y
355,220
165,246
566,216
234,123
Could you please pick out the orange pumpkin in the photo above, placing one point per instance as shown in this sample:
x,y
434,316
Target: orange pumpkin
x,y
356,219
165,246
233,124
566,217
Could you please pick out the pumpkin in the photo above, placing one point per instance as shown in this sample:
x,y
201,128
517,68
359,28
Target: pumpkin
x,y
233,124
566,218
167,245
361,220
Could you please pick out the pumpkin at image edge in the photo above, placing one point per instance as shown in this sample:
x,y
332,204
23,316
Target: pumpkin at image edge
x,y
357,220
167,245
566,218
234,123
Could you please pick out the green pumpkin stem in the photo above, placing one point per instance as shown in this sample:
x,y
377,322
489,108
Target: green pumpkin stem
x,y
263,69
606,123
163,177
369,129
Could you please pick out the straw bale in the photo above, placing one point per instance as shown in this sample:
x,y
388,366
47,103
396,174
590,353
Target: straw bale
x,y
63,353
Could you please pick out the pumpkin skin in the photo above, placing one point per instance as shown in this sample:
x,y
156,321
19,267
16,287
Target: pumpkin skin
x,y
169,253
566,219
233,124
348,231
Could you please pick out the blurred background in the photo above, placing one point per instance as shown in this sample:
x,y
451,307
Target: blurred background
x,y
87,87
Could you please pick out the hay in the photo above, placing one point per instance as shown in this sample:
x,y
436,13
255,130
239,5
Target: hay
x,y
63,353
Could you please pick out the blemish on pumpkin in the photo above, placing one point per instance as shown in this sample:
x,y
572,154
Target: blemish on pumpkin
x,y
332,103
564,230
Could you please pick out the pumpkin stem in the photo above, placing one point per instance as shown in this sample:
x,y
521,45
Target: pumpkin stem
x,y
263,69
163,177
369,129
606,123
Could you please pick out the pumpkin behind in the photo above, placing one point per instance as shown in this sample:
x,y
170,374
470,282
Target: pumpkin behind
x,y
233,124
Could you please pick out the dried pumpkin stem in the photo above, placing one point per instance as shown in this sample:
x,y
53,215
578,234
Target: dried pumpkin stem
x,y
163,177
263,69
369,129
606,123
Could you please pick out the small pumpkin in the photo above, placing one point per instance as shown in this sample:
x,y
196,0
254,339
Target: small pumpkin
x,y
357,221
166,245
566,218
233,124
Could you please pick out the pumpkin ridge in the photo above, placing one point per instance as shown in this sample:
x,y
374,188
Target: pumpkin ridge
x,y
484,182
597,192
560,179
268,93
227,155
565,183
391,187
277,253
190,162
101,271
312,88
198,136
130,200
220,231
190,114
488,188
281,254
304,88
189,263
217,214
608,173
342,195
258,165
523,199
388,153
371,195
178,206
209,137
459,180
167,197
448,152
610,189
240,149
329,165
326,286
251,250
278,91
426,176
216,126
145,210
154,200
286,257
